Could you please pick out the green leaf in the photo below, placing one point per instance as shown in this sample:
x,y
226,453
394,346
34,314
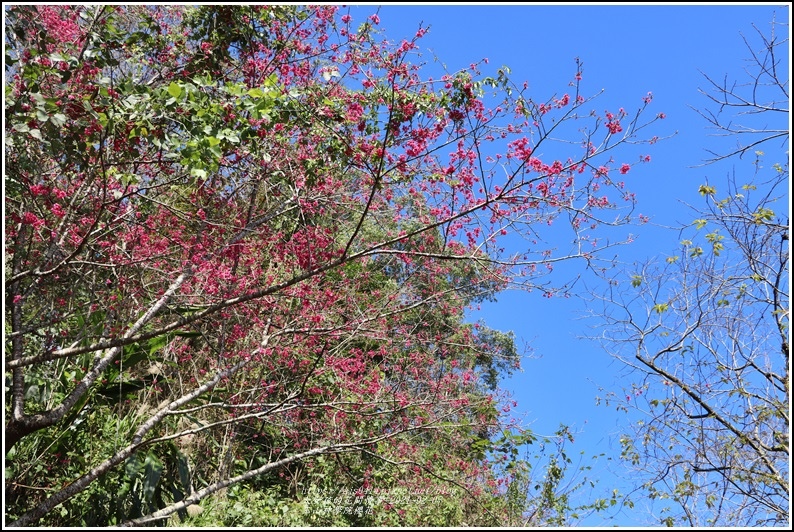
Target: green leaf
x,y
59,57
174,89
763,214
199,173
271,81
153,469
714,237
184,471
235,89
706,190
158,342
58,119
128,179
132,468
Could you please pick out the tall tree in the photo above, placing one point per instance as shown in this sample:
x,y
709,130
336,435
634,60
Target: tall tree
x,y
708,332
241,239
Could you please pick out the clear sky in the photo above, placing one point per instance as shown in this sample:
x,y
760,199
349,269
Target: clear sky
x,y
627,50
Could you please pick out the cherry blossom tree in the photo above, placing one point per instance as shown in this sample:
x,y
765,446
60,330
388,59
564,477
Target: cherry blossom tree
x,y
240,242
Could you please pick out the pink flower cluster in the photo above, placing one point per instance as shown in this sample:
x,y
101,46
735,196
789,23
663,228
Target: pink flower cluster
x,y
60,29
31,219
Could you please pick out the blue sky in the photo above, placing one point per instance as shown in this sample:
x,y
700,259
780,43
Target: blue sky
x,y
627,50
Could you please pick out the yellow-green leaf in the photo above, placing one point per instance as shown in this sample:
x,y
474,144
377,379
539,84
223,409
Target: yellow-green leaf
x,y
174,89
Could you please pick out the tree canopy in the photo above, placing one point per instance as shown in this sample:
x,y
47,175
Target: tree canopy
x,y
240,242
